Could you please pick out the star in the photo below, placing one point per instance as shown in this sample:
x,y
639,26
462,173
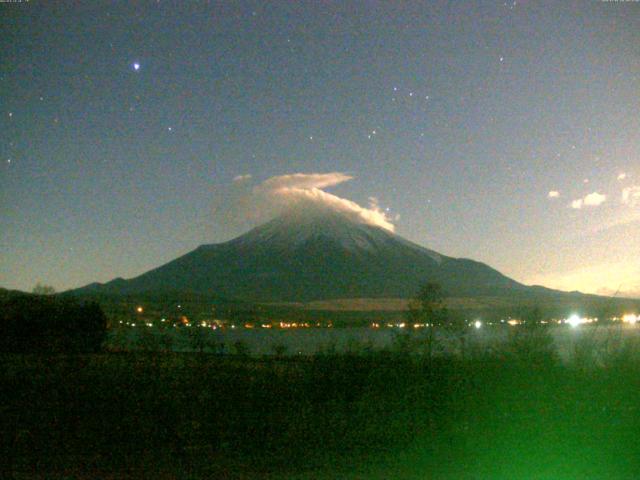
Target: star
x,y
170,129
501,59
136,66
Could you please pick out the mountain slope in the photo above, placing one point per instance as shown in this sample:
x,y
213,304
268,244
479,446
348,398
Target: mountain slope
x,y
304,257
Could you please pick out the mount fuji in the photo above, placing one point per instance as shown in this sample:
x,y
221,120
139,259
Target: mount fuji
x,y
304,256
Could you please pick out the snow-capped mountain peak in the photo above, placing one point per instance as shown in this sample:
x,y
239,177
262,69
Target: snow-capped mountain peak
x,y
295,228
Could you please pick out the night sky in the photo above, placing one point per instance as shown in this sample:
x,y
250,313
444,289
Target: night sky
x,y
504,132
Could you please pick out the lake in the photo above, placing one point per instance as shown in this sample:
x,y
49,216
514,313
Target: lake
x,y
308,341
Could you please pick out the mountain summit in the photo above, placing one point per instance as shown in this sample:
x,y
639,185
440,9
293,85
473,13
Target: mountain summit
x,y
307,255
297,227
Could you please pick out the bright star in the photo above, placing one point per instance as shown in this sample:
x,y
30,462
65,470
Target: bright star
x,y
136,66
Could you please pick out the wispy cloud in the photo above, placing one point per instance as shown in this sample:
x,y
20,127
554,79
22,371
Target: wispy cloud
x,y
594,199
577,204
305,192
304,181
241,178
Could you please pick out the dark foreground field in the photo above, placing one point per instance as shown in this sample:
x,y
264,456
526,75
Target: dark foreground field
x,y
166,415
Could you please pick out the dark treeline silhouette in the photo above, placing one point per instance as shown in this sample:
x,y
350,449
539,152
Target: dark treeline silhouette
x,y
39,323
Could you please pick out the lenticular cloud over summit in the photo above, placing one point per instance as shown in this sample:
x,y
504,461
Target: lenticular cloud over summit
x,y
304,191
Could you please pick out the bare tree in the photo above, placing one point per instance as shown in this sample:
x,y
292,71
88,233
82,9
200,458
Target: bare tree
x,y
427,308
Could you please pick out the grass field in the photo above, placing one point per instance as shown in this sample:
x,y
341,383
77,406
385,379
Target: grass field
x,y
372,415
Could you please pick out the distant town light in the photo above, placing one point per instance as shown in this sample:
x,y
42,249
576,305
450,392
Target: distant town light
x,y
139,309
630,318
477,324
574,320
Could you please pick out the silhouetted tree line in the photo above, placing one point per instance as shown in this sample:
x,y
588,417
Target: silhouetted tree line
x,y
39,323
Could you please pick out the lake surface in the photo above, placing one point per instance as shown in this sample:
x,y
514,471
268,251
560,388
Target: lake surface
x,y
309,341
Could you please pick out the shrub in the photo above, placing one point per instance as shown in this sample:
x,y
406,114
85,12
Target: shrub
x,y
531,343
240,349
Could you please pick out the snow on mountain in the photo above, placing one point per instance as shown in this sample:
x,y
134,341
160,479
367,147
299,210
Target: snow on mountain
x,y
295,228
